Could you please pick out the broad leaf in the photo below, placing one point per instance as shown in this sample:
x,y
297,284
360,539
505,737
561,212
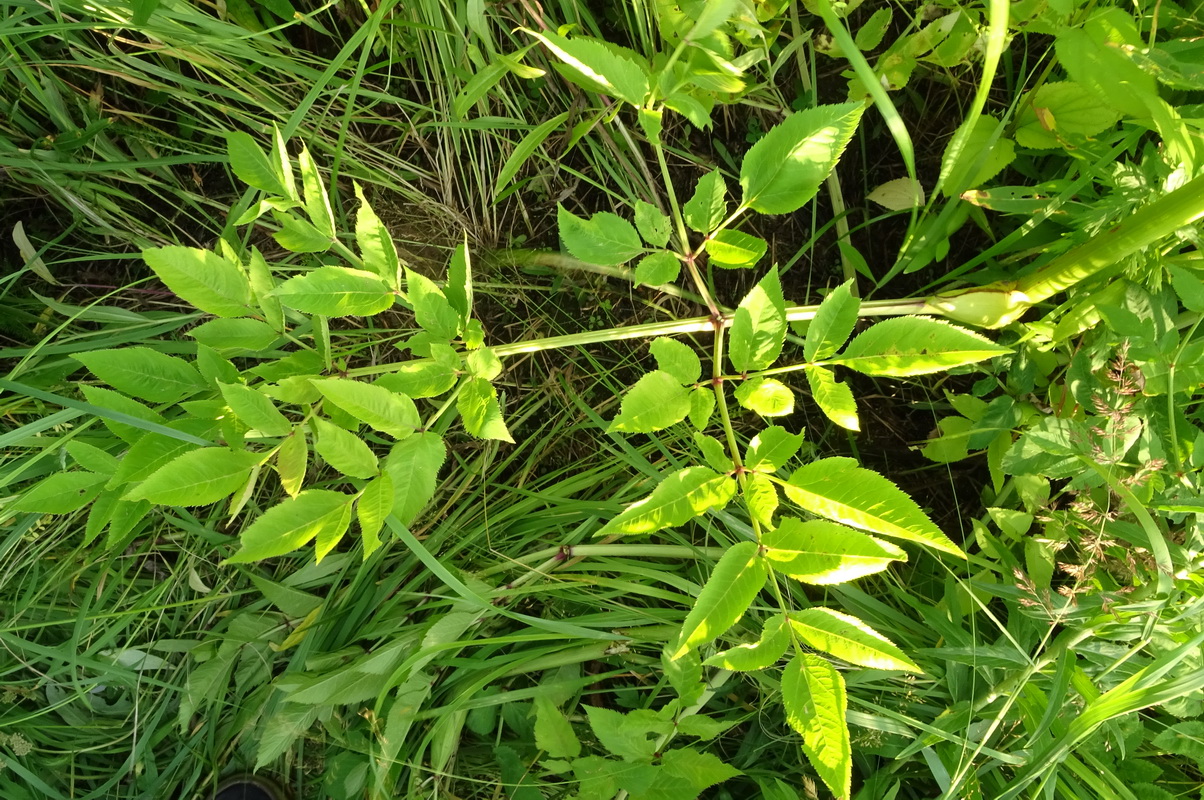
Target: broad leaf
x,y
292,524
413,466
713,452
604,238
246,336
375,406
373,506
432,311
484,363
785,168
676,500
553,733
761,498
656,401
292,460
336,292
768,397
255,409
702,405
834,321
772,449
332,530
736,250
299,235
202,278
833,397
657,269
107,401
317,204
425,378
626,735
813,693
652,224
708,206
60,493
197,478
727,594
144,373
686,772
376,245
840,490
252,166
677,359
599,66
759,328
344,451
849,638
458,289
481,412
762,654
825,553
915,346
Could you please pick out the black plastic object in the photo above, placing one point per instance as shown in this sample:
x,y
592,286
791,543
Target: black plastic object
x,y
249,787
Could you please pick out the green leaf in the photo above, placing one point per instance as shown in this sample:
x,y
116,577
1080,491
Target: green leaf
x,y
814,696
834,398
1106,71
657,269
772,449
761,498
458,289
197,478
727,594
526,148
849,638
677,359
262,283
915,346
252,166
336,292
292,524
762,654
344,451
708,207
417,379
785,168
600,67
374,504
60,493
256,410
479,408
1060,108
840,490
106,401
432,311
144,373
299,235
735,250
759,328
703,727
702,405
626,735
484,363
202,278
604,239
414,467
713,452
768,397
377,407
685,772
870,34
652,224
291,461
834,321
145,456
968,167
1189,287
246,336
824,553
677,499
331,533
1183,739
317,204
656,401
376,245
91,457
553,733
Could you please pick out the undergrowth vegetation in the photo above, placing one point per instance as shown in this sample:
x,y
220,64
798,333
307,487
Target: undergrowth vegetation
x,y
740,399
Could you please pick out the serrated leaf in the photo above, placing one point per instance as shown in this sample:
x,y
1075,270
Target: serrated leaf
x,y
336,292
256,410
479,409
759,328
713,452
657,269
824,553
604,239
652,224
772,449
837,488
849,639
762,654
458,289
553,733
736,581
376,245
915,346
702,405
834,398
768,397
291,461
202,278
834,321
813,693
656,401
677,499
242,335
60,493
898,195
375,406
1189,287
417,379
414,467
344,451
703,727
432,311
299,235
292,524
677,359
785,168
317,204
484,363
331,533
735,250
106,400
252,166
981,156
599,67
91,457
708,206
374,504
761,498
197,478
626,735
685,772
144,373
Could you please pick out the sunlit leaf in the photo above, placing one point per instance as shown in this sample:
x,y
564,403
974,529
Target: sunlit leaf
x,y
848,638
813,693
825,553
733,585
677,499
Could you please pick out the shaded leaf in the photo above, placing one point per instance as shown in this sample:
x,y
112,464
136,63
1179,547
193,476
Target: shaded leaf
x,y
292,524
374,504
677,359
197,478
144,373
762,654
256,410
599,67
652,224
413,466
605,239
202,278
344,451
657,269
60,493
708,206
